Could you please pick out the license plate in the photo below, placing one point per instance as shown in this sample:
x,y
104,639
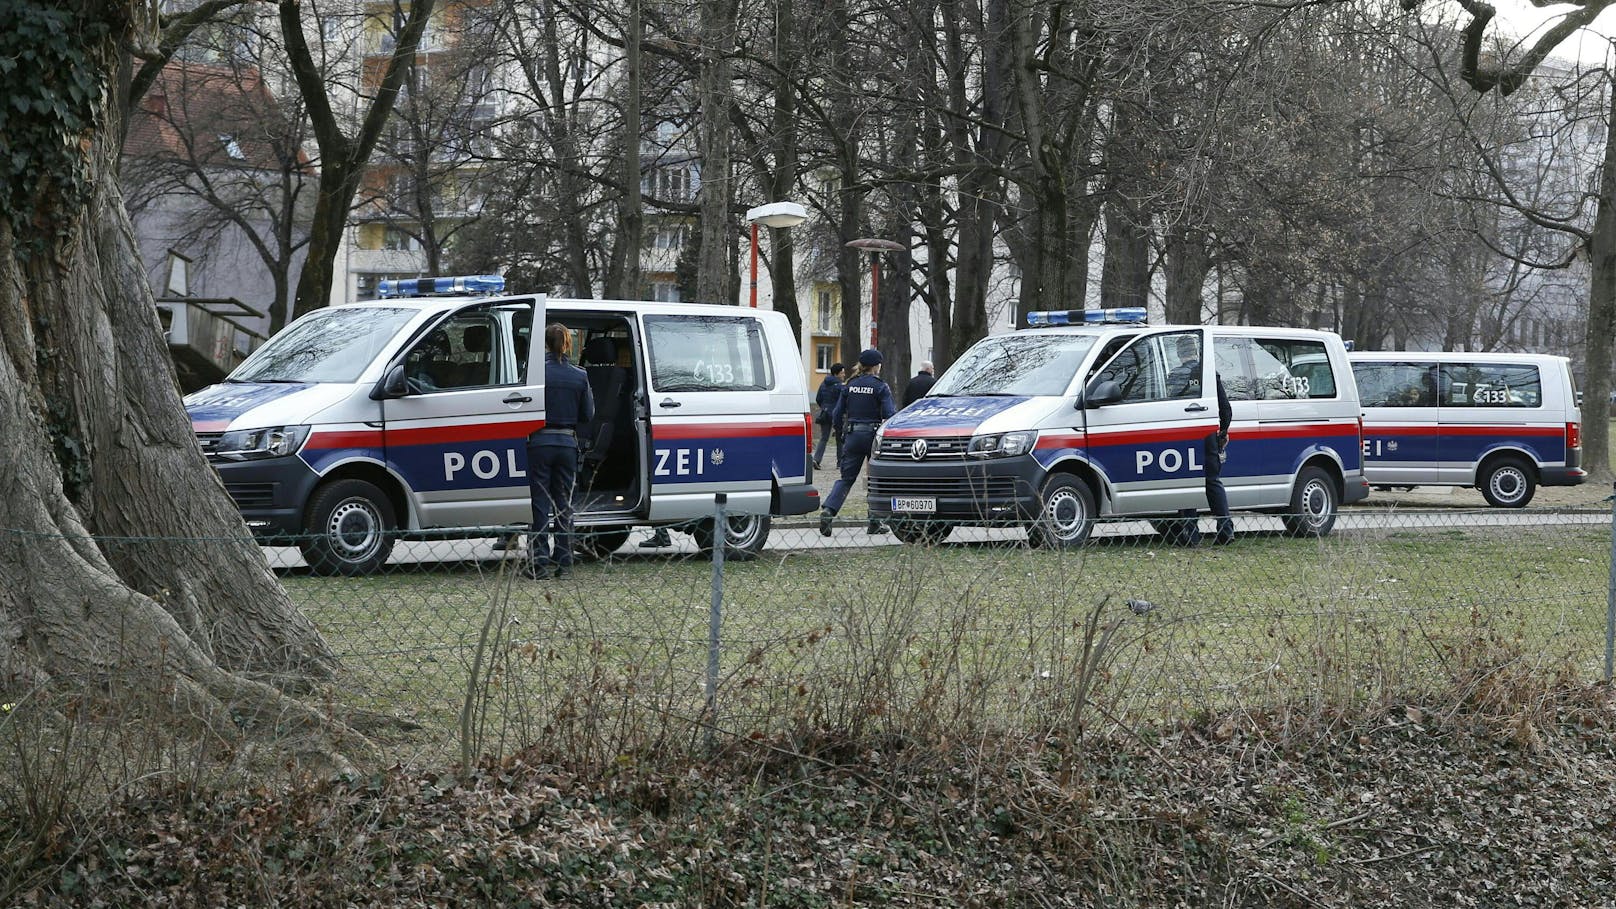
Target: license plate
x,y
926,505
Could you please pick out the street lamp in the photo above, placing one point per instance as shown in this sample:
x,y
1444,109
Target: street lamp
x,y
876,248
775,214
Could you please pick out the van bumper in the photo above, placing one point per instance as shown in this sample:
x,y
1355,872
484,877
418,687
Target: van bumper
x,y
801,498
988,491
271,493
1561,476
1354,489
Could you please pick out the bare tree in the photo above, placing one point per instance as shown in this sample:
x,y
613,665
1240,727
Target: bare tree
x,y
343,157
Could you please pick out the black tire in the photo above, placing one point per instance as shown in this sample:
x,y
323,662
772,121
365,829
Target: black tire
x,y
351,529
1315,501
922,533
1066,514
596,545
1507,482
745,536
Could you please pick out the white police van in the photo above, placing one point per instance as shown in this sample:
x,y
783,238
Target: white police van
x,y
1092,412
1501,422
411,414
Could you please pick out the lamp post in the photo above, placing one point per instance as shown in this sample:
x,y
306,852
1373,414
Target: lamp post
x,y
775,214
876,248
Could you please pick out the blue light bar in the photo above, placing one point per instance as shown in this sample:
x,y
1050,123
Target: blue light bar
x,y
463,285
1126,315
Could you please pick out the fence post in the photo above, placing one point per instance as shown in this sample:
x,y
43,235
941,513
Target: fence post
x,y
1610,595
715,615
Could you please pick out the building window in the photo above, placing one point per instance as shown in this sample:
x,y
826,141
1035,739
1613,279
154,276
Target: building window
x,y
672,235
671,184
823,313
399,240
824,355
232,147
665,292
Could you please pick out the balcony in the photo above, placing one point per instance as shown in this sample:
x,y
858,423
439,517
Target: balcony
x,y
204,337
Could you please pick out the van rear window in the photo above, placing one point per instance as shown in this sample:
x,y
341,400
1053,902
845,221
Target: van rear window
x,y
1491,385
708,353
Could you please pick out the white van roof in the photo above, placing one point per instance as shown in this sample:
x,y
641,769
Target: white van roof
x,y
445,303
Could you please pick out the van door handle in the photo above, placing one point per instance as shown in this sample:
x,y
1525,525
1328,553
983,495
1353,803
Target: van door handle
x,y
669,402
514,398
1195,408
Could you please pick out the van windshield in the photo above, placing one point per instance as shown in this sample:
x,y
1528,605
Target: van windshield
x,y
1016,364
334,345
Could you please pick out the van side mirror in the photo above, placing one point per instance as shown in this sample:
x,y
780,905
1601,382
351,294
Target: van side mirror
x,y
392,385
1100,394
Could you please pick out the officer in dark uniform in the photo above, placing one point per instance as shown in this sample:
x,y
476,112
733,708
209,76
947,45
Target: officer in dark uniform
x,y
552,455
1214,450
866,401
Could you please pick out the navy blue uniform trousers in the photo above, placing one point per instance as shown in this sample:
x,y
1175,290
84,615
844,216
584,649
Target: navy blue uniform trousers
x,y
851,456
552,470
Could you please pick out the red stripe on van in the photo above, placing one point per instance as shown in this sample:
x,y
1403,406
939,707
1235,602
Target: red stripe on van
x,y
1557,431
726,430
425,435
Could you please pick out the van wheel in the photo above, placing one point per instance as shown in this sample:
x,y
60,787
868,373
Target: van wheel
x,y
595,545
923,533
350,528
1507,483
1067,514
1314,502
744,536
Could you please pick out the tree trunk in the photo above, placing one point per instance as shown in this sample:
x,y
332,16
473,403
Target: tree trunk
x,y
342,160
1125,274
715,89
1188,264
631,214
1601,317
96,442
783,266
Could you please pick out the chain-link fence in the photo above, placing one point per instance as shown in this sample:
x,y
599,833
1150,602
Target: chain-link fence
x,y
959,632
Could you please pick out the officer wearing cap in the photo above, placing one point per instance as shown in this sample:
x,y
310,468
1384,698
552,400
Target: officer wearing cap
x,y
866,401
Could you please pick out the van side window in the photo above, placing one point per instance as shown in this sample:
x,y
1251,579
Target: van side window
x,y
1294,368
1232,358
708,353
469,350
1182,354
1491,385
1395,384
1139,371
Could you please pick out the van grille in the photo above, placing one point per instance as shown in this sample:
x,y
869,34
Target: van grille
x,y
996,488
209,441
251,495
941,448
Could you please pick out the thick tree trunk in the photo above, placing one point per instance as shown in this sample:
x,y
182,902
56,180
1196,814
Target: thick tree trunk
x,y
96,443
1125,274
1601,318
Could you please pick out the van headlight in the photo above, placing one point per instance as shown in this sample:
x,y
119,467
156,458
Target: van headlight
x,y
1003,444
253,444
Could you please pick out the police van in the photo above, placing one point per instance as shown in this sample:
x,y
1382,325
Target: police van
x,y
1503,423
411,414
1092,412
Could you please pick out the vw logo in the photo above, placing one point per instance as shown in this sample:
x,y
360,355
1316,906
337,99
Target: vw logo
x,y
918,450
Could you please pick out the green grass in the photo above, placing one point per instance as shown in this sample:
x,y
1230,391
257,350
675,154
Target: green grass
x,y
984,634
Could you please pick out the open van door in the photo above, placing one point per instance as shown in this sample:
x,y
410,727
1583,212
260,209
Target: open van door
x,y
456,422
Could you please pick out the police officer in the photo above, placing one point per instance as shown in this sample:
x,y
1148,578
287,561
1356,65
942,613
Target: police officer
x,y
1213,453
866,401
830,391
552,455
